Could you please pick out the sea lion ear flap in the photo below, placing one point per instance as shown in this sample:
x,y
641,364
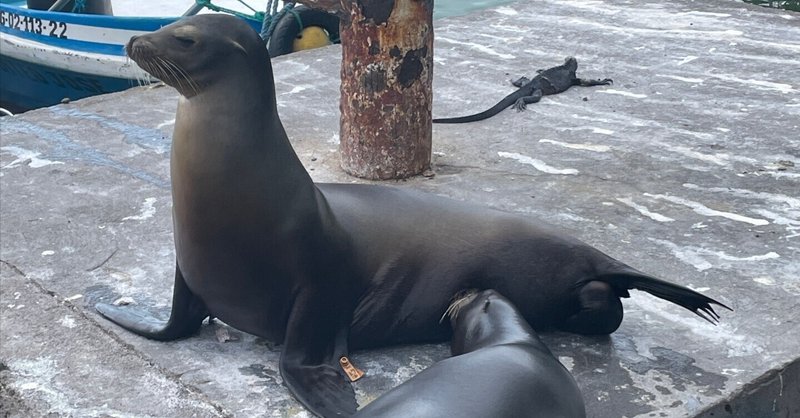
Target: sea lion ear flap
x,y
239,47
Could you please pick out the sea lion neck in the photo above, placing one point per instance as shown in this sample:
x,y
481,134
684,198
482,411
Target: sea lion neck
x,y
232,124
228,147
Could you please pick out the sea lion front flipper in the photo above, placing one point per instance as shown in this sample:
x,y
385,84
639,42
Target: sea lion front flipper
x,y
316,338
188,313
320,388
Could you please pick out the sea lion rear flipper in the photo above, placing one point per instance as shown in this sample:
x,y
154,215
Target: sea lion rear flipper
x,y
316,338
626,277
188,313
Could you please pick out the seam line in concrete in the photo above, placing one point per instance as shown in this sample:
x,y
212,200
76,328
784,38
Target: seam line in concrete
x,y
175,378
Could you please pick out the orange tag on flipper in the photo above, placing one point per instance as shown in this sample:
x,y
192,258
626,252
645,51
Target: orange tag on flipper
x,y
351,371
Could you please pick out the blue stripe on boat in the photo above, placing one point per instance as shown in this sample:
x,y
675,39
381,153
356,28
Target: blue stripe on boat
x,y
71,44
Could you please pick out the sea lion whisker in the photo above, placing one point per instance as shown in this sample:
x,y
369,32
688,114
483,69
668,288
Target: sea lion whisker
x,y
172,73
151,67
138,72
193,84
181,73
141,77
458,301
164,65
146,78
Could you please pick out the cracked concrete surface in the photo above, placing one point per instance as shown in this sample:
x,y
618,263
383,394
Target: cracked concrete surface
x,y
687,167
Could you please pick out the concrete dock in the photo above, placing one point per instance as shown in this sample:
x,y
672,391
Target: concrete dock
x,y
688,167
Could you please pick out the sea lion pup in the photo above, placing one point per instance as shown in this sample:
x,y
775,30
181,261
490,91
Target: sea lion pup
x,y
499,368
329,267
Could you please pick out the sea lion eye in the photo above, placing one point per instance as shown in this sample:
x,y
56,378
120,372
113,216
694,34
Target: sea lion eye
x,y
185,41
486,305
186,35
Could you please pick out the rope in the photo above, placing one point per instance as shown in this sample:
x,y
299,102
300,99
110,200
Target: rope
x,y
79,6
268,19
272,16
257,16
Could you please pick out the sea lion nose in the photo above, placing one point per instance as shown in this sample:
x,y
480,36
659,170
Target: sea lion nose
x,y
129,45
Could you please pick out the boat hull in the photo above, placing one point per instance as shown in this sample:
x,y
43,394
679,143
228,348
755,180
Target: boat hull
x,y
29,85
46,57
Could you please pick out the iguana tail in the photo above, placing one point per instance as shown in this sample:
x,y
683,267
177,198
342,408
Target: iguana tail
x,y
500,106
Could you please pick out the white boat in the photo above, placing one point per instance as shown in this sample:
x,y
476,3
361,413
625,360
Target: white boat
x,y
47,56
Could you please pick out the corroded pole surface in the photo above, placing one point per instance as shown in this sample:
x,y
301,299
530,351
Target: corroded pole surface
x,y
387,69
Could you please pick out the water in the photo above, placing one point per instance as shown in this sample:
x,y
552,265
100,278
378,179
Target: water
x,y
442,8
445,8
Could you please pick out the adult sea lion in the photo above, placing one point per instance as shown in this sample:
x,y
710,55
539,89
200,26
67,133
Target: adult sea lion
x,y
499,368
329,267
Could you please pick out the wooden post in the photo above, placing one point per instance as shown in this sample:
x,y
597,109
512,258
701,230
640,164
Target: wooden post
x,y
387,69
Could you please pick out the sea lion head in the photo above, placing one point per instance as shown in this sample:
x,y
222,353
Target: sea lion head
x,y
198,51
484,318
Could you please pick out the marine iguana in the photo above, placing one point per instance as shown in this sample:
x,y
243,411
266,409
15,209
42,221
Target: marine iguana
x,y
550,81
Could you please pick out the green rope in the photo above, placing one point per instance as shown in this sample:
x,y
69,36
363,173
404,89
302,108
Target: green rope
x,y
272,16
268,19
296,17
257,16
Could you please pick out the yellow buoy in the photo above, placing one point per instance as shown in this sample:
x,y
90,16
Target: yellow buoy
x,y
310,38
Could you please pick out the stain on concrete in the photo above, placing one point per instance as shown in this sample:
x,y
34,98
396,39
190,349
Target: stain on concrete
x,y
62,148
595,363
99,293
681,370
148,138
268,376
